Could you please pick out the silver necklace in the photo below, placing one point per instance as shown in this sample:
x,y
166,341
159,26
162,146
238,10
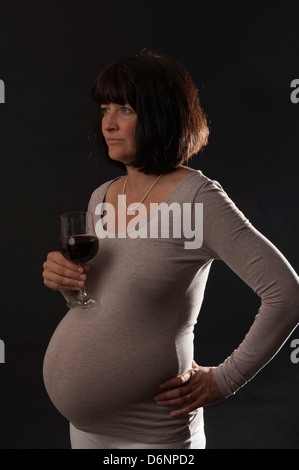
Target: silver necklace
x,y
123,194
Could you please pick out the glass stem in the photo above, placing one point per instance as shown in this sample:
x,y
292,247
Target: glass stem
x,y
82,292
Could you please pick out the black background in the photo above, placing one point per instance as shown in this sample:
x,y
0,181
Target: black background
x,y
243,57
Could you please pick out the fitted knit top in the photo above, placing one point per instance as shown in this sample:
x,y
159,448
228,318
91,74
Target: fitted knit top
x,y
104,365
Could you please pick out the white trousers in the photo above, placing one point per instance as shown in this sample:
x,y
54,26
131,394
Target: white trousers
x,y
87,440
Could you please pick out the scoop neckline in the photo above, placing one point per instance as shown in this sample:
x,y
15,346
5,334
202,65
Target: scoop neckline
x,y
145,221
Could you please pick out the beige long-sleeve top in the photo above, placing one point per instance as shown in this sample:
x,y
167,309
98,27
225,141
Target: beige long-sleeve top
x,y
104,365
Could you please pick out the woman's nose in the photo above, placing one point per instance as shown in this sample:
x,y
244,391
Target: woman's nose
x,y
110,122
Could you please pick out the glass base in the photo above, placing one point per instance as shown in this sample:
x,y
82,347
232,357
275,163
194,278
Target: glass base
x,y
84,303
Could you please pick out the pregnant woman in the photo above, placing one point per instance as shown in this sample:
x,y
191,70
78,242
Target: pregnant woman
x,y
123,373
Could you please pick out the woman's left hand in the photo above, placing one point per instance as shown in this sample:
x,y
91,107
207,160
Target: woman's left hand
x,y
190,390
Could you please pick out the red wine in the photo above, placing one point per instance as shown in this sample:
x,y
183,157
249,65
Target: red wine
x,y
79,248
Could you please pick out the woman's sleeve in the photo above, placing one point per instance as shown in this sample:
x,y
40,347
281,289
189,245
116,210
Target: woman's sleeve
x,y
228,235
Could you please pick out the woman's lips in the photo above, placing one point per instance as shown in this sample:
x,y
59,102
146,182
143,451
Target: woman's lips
x,y
113,141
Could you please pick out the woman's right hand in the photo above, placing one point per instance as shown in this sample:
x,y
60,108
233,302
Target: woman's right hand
x,y
61,274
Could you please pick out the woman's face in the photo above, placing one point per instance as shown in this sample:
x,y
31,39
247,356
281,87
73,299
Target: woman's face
x,y
118,128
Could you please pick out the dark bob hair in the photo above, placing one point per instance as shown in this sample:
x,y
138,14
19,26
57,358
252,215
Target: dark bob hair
x,y
171,125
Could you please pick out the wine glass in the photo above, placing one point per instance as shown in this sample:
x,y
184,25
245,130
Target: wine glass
x,y
79,243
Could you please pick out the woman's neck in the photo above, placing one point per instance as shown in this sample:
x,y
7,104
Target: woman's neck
x,y
138,181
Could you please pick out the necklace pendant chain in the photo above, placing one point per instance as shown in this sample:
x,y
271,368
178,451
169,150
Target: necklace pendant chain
x,y
139,203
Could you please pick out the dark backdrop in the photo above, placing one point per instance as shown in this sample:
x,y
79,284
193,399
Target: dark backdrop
x,y
243,57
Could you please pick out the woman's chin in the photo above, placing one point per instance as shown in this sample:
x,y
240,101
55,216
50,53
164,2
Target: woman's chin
x,y
121,159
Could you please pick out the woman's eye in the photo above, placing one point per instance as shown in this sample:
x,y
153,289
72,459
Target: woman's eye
x,y
122,109
127,110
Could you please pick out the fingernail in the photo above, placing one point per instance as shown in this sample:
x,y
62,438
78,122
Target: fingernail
x,y
83,277
80,283
81,270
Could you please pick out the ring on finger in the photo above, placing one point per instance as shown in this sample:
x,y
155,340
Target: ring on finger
x,y
190,398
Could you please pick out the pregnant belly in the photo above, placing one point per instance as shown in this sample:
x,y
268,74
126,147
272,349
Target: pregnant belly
x,y
93,370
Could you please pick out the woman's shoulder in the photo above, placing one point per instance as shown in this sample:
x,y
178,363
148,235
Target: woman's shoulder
x,y
99,193
107,184
196,182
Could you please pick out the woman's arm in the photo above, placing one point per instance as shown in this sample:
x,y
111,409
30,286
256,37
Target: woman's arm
x,y
228,236
232,238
